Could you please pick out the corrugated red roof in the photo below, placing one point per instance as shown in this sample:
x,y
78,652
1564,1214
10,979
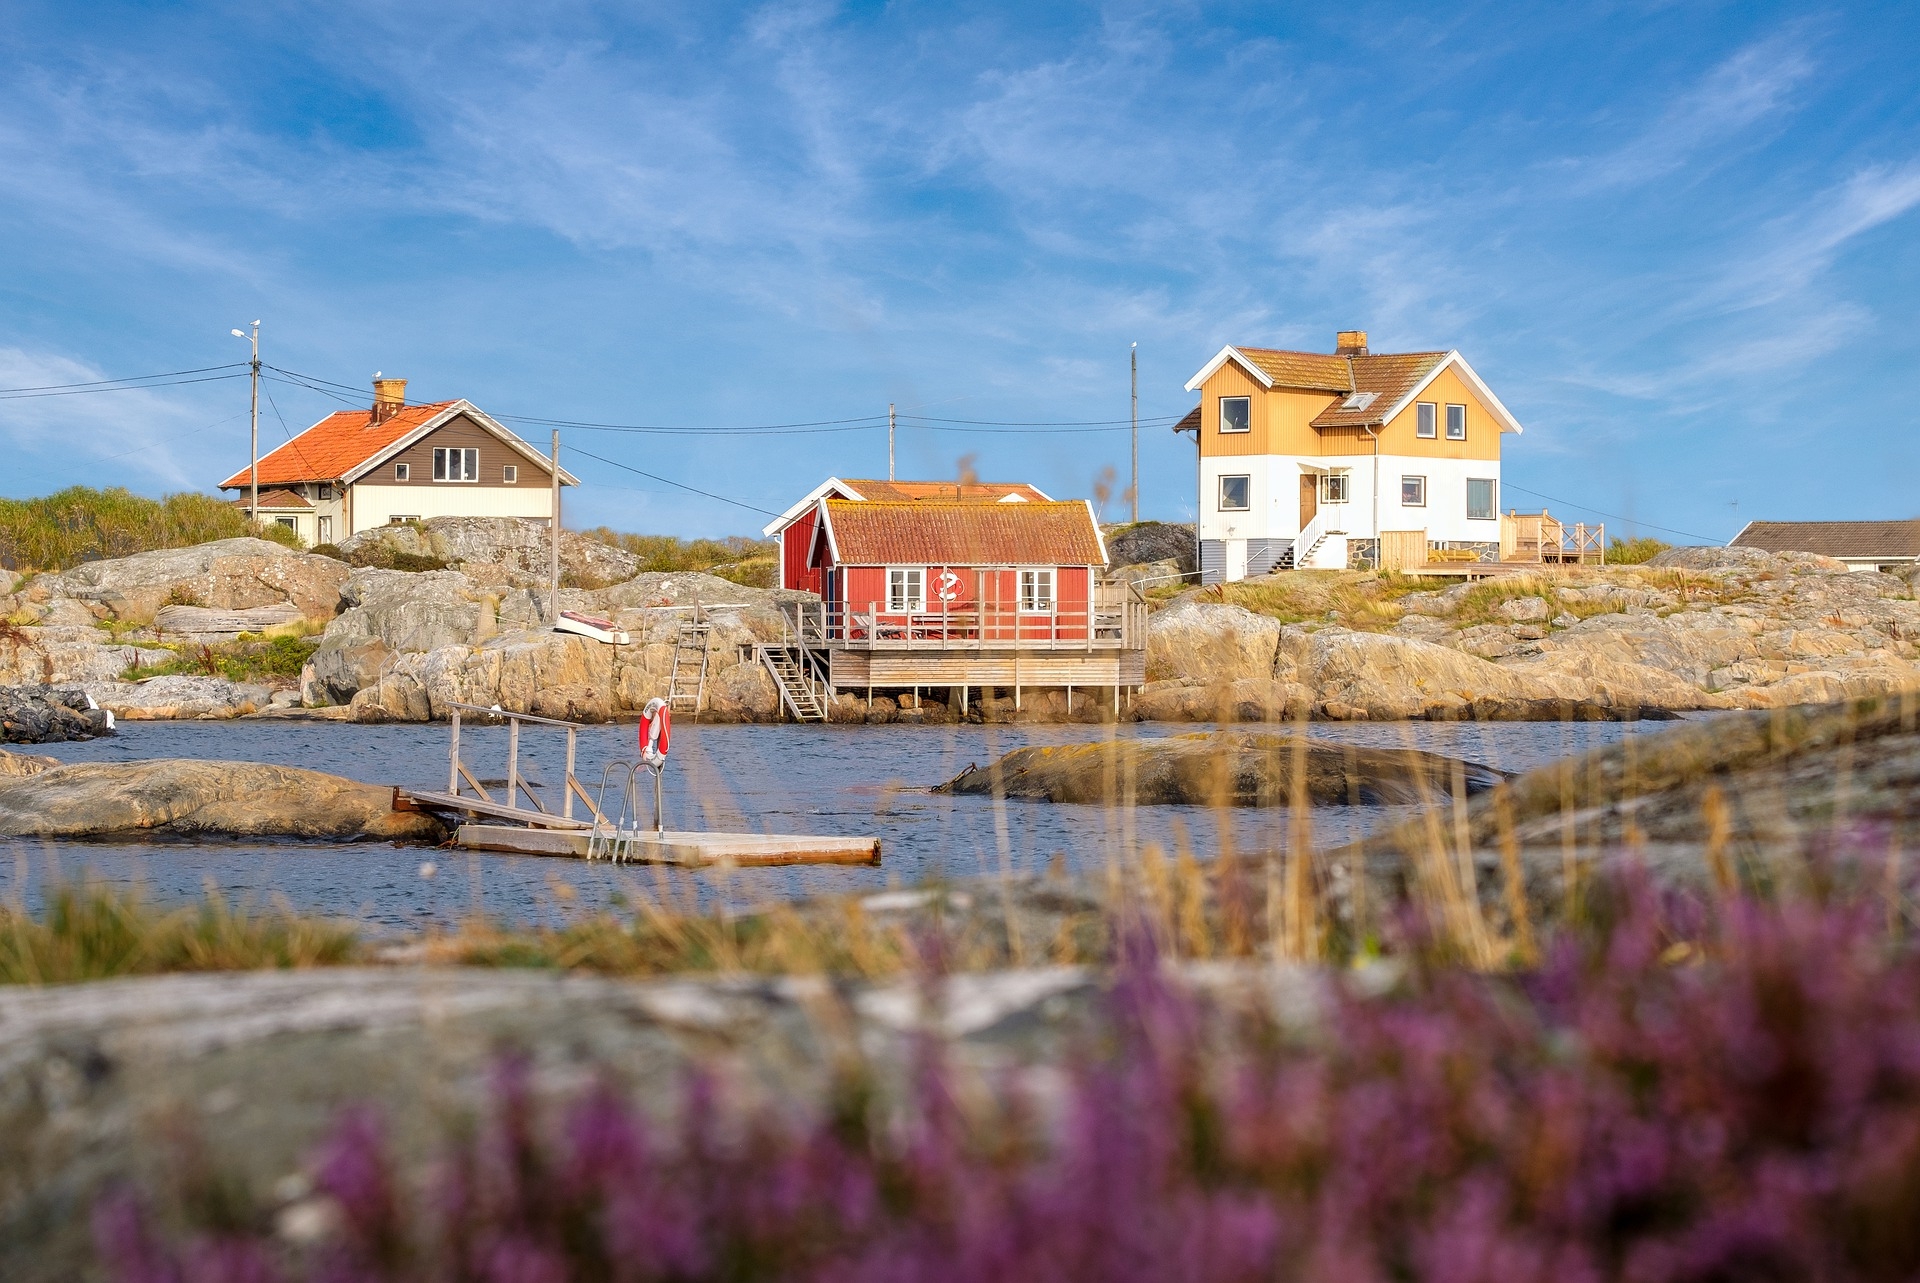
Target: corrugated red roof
x,y
955,491
336,445
1894,540
934,533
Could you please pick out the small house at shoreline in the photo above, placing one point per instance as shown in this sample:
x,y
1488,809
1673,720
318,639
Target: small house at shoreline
x,y
794,528
393,462
965,595
1863,545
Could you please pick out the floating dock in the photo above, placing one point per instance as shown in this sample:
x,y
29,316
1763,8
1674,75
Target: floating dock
x,y
535,829
690,850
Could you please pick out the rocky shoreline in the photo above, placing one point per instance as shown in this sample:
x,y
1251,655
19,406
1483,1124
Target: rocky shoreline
x,y
1697,629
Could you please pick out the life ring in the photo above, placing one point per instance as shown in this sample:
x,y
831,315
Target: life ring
x,y
656,732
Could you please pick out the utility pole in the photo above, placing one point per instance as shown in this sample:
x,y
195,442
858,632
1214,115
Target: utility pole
x,y
553,537
889,440
253,468
1136,433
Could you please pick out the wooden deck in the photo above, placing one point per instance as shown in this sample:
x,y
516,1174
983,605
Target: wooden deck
x,y
687,850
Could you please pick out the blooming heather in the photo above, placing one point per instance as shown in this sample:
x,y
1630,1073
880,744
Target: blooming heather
x,y
1671,1096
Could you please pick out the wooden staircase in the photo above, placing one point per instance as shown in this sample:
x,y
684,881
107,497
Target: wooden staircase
x,y
804,697
687,683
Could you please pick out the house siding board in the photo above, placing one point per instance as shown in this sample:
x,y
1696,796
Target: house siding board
x,y
796,542
1398,436
461,432
1213,561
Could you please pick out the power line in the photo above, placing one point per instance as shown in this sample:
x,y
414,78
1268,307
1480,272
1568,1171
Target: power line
x,y
1049,423
132,378
651,476
125,387
1632,521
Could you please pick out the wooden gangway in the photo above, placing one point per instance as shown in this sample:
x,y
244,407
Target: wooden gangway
x,y
480,802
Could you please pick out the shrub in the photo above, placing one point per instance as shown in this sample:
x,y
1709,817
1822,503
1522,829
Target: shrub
x,y
1675,1097
80,524
252,657
667,553
1633,552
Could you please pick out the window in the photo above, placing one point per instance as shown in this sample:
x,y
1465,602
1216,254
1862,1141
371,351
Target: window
x,y
1413,492
906,589
1036,591
509,474
1456,423
1482,502
401,518
288,522
452,463
402,471
1333,487
1236,414
324,492
1424,418
1234,493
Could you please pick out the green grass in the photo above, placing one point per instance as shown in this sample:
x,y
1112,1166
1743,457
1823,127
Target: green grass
x,y
59,531
1633,552
254,657
667,553
93,932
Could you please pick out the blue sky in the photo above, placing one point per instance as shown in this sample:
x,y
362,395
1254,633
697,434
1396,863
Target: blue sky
x,y
1679,240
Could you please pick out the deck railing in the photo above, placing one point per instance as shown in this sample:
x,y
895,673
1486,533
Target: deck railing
x,y
1115,619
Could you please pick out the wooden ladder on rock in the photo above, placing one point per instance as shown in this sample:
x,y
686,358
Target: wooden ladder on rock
x,y
802,697
687,683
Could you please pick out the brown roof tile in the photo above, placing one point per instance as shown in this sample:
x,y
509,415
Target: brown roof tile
x,y
935,533
1318,371
336,445
953,491
1189,422
273,499
1388,376
1890,539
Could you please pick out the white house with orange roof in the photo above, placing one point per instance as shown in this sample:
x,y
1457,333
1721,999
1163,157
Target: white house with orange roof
x,y
393,462
1309,459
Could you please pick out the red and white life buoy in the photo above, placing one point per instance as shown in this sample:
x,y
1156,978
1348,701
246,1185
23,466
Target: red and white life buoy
x,y
656,732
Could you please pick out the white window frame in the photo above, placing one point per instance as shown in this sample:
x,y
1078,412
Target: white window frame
x,y
1461,435
510,474
906,590
1420,484
449,458
403,472
1426,419
290,523
1339,480
323,529
1493,499
1033,600
1248,401
402,518
1221,497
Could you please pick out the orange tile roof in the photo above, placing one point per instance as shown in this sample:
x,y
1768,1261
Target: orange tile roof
x,y
336,445
1389,376
272,499
954,491
933,533
1319,371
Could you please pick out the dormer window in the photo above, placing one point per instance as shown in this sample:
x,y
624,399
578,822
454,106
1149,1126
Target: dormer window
x,y
1236,414
1426,418
1359,400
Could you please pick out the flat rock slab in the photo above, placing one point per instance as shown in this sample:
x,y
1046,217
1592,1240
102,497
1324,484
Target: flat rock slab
x,y
99,1081
1223,768
174,797
695,850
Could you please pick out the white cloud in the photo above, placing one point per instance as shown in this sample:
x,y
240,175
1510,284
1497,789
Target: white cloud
x,y
150,434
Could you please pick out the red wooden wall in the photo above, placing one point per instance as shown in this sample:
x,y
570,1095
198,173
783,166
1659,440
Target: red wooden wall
x,y
795,541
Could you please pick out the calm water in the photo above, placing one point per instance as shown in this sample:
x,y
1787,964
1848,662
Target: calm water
x,y
783,779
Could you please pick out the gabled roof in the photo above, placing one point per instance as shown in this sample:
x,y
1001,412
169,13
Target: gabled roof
x,y
1275,368
931,532
1189,422
1857,540
866,490
1388,378
957,491
273,499
347,444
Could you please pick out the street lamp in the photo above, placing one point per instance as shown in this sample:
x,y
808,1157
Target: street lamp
x,y
253,468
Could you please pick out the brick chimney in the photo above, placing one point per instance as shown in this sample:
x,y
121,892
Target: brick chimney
x,y
390,394
1350,343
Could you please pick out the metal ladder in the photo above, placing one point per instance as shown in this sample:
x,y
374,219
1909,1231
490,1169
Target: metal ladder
x,y
798,689
687,683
